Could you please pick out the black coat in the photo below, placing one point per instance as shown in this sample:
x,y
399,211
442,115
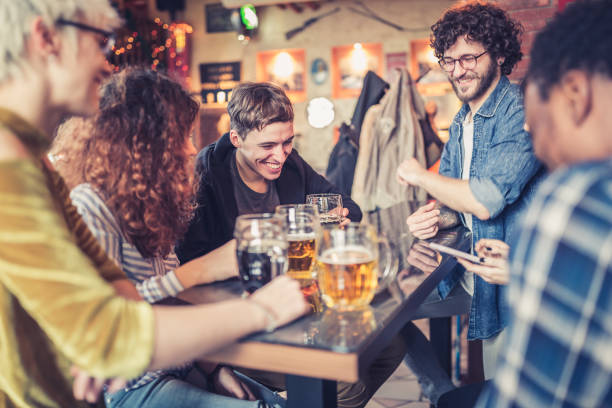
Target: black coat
x,y
213,223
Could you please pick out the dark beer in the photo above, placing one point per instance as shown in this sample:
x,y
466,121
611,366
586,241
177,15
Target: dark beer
x,y
258,264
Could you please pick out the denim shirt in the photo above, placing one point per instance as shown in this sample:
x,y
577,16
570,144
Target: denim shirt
x,y
503,175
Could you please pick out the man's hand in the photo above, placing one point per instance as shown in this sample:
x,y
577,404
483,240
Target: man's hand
x,y
344,212
423,258
88,388
409,172
227,383
424,222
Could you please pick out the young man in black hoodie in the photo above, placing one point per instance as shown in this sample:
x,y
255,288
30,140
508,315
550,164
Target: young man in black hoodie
x,y
252,169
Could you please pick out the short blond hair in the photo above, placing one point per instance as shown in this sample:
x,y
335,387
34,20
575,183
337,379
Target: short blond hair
x,y
16,15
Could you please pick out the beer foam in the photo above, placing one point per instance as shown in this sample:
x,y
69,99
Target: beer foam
x,y
350,254
301,237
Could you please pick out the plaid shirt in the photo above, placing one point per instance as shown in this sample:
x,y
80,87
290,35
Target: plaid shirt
x,y
559,342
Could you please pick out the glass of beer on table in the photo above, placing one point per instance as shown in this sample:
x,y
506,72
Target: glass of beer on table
x,y
301,224
349,266
261,248
329,206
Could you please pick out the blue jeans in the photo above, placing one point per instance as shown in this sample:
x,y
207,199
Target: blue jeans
x,y
191,391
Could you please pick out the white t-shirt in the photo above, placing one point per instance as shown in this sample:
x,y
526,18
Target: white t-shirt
x,y
468,147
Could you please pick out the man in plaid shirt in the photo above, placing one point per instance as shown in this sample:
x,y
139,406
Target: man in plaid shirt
x,y
559,349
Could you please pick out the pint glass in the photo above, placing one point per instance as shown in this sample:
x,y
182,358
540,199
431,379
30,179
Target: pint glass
x,y
261,248
301,224
329,206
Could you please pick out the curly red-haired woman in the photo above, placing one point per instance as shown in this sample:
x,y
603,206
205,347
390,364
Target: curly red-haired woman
x,y
131,170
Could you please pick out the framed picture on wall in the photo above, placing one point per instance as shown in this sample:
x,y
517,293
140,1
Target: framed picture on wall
x,y
432,80
350,63
286,68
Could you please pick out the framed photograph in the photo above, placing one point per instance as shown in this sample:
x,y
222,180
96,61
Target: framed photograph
x,y
424,67
286,68
350,63
319,71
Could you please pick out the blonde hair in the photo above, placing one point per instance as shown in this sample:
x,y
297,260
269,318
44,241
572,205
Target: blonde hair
x,y
16,16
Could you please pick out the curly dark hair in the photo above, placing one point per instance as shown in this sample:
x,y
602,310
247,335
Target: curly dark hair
x,y
135,155
579,38
255,105
485,23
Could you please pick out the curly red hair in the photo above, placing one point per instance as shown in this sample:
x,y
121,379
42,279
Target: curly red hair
x,y
136,157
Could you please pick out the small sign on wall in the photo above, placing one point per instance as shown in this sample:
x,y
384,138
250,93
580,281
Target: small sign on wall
x,y
219,72
218,79
218,18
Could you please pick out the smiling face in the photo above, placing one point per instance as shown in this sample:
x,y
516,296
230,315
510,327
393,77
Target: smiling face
x,y
473,85
79,73
262,153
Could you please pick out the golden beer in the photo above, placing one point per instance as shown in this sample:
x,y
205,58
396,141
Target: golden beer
x,y
302,253
302,249
348,277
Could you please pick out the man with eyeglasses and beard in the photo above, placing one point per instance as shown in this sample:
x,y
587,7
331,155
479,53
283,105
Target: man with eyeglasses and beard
x,y
487,173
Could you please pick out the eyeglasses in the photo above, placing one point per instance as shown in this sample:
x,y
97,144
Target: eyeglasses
x,y
467,61
108,38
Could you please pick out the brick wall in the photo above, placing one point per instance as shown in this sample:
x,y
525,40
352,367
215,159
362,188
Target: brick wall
x,y
533,15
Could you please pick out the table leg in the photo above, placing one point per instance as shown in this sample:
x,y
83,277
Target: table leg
x,y
306,392
440,333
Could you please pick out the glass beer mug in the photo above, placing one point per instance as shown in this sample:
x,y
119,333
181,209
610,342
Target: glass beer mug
x,y
301,222
329,206
261,248
349,265
301,228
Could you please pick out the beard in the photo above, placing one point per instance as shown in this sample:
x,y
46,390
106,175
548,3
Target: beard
x,y
483,86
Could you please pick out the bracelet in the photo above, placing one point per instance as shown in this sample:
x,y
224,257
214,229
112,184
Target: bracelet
x,y
270,318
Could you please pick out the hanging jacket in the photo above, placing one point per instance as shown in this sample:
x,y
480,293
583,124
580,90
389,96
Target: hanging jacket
x,y
396,136
342,160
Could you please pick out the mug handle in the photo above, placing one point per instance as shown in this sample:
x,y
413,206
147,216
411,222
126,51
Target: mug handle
x,y
390,264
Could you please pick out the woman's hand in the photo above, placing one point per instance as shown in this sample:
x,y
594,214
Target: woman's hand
x,y
282,299
227,383
495,269
216,265
88,388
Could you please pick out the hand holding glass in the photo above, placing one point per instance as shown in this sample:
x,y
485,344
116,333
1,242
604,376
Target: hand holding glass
x,y
329,206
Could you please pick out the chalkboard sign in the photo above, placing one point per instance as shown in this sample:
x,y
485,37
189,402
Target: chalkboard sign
x,y
219,72
218,18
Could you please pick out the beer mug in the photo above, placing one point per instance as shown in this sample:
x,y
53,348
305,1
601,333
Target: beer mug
x,y
329,206
301,228
301,222
349,267
261,248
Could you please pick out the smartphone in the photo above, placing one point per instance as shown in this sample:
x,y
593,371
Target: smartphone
x,y
454,252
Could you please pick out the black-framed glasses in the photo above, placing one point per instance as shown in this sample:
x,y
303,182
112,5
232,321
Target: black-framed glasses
x,y
467,61
108,38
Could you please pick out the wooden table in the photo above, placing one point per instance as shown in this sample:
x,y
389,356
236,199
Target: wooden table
x,y
318,350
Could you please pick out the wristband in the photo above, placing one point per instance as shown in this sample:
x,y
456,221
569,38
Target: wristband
x,y
270,318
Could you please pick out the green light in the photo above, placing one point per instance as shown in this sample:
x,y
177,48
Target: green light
x,y
248,16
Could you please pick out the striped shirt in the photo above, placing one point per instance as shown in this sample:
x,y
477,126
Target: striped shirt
x,y
154,277
559,342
